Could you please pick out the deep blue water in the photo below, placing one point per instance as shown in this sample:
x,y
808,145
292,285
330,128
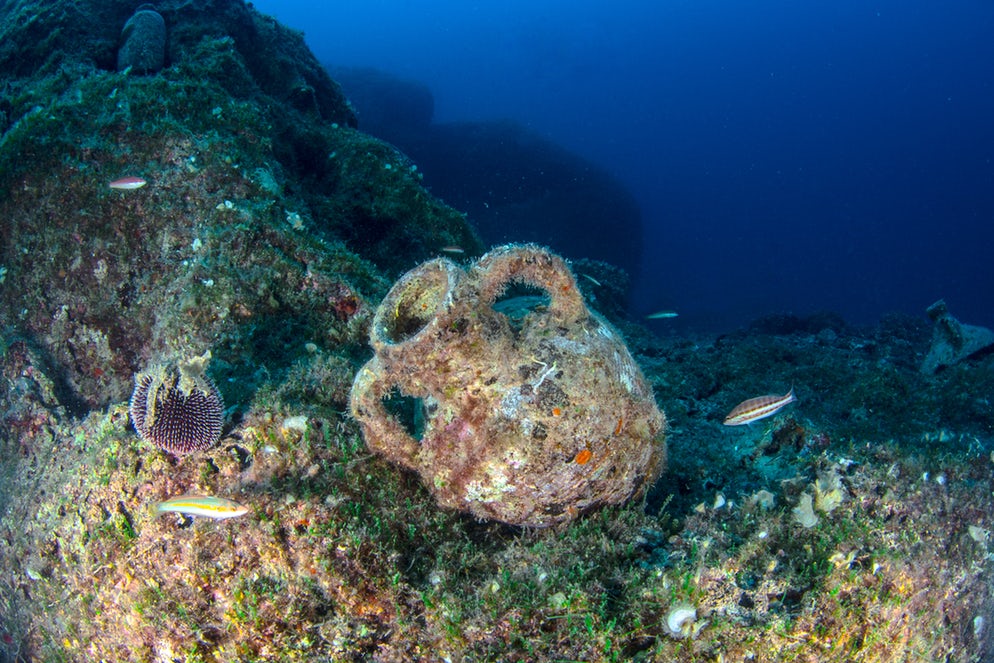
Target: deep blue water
x,y
786,156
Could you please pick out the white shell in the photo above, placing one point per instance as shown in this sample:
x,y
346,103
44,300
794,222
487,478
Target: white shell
x,y
679,619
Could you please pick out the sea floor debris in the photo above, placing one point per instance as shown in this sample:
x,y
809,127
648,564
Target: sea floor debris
x,y
952,341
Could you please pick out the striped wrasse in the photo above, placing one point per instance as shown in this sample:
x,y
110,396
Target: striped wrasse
x,y
757,408
217,508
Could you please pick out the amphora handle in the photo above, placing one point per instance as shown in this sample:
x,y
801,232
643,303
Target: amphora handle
x,y
536,266
405,329
416,307
384,433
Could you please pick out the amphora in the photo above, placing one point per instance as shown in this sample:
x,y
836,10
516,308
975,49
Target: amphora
x,y
530,420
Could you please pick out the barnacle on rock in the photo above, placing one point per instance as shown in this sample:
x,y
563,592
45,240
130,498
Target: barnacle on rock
x,y
178,409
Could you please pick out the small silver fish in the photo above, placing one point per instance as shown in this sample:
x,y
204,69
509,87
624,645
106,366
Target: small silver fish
x,y
217,508
661,315
758,408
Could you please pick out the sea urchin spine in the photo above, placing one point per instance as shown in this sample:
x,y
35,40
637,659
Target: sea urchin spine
x,y
178,411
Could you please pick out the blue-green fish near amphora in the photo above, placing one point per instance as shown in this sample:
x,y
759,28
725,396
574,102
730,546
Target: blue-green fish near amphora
x,y
662,315
217,508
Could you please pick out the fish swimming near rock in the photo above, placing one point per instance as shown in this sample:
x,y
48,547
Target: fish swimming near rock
x,y
217,508
758,408
127,183
662,315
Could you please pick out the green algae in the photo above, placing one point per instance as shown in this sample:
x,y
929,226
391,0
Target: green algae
x,y
343,557
350,557
249,212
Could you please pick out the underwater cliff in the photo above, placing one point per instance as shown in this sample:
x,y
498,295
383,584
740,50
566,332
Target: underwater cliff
x,y
251,218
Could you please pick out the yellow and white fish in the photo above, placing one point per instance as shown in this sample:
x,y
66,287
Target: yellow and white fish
x,y
217,508
757,408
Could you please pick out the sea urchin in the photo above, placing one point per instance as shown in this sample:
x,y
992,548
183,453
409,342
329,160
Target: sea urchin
x,y
178,411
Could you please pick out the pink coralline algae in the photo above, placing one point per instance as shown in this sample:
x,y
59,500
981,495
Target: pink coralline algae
x,y
179,411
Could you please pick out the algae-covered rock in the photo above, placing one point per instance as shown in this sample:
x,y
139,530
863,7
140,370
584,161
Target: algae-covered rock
x,y
341,557
63,39
256,228
143,47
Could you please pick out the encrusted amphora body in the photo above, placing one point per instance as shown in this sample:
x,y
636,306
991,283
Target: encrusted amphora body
x,y
530,421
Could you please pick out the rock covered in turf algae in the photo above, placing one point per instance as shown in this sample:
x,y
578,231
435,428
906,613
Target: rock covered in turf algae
x,y
531,425
952,341
143,42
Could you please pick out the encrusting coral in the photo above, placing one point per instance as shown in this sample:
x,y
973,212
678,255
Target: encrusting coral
x,y
528,426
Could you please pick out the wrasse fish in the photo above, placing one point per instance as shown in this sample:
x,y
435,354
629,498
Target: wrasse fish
x,y
127,183
661,315
757,408
217,508
455,250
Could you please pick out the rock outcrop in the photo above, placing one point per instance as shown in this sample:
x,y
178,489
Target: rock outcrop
x,y
143,42
514,184
267,220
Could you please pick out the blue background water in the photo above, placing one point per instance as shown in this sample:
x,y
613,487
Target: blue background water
x,y
787,156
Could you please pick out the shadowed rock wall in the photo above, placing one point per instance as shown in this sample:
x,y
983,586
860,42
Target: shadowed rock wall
x,y
515,185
